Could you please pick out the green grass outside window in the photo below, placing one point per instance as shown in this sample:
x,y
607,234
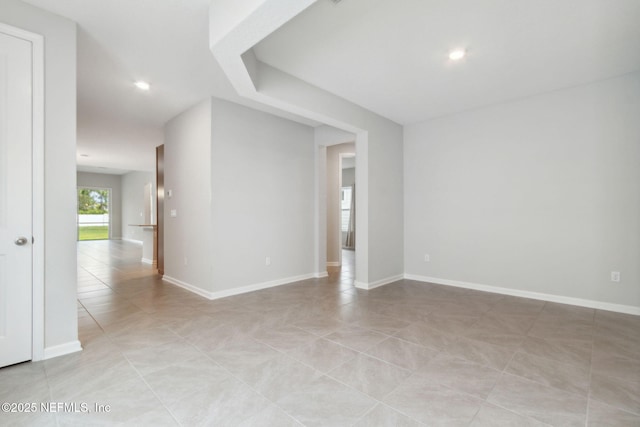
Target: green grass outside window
x,y
94,232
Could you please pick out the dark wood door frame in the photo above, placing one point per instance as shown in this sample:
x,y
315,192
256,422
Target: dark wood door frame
x,y
160,207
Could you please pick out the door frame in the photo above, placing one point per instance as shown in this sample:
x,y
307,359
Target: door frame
x,y
37,191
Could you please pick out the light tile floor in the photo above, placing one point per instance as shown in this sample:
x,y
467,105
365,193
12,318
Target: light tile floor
x,y
322,353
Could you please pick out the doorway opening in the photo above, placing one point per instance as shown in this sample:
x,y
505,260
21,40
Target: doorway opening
x,y
341,204
347,211
93,213
330,143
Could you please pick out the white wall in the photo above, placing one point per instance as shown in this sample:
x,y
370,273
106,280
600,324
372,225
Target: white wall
x,y
334,244
540,195
61,318
132,191
187,159
114,182
263,197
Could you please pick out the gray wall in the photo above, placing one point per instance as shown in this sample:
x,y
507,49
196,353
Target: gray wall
x,y
385,204
242,184
334,244
61,318
133,184
379,166
114,182
539,195
263,200
187,160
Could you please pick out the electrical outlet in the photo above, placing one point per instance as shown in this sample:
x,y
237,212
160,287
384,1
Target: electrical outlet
x,y
427,258
615,276
267,261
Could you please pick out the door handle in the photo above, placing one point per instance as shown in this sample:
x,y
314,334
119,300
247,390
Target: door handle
x,y
21,241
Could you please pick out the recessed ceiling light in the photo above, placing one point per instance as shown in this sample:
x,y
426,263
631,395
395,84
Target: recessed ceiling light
x,y
142,85
84,155
457,54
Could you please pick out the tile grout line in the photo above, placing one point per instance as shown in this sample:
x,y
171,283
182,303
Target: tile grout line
x,y
322,374
152,390
245,383
504,371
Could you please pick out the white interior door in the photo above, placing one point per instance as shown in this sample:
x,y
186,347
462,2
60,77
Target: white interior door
x,y
15,200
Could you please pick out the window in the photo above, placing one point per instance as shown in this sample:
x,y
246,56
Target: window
x,y
93,213
345,207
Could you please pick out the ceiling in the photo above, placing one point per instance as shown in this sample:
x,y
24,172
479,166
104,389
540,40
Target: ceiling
x,y
164,42
387,56
391,57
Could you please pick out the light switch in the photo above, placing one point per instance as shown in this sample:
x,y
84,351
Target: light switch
x,y
173,213
169,194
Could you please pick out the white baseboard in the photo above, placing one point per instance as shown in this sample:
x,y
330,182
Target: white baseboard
x,y
189,287
600,305
148,261
320,275
334,263
239,290
61,349
377,283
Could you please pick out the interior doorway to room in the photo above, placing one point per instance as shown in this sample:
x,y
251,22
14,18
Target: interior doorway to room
x,y
336,203
93,213
348,202
348,212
